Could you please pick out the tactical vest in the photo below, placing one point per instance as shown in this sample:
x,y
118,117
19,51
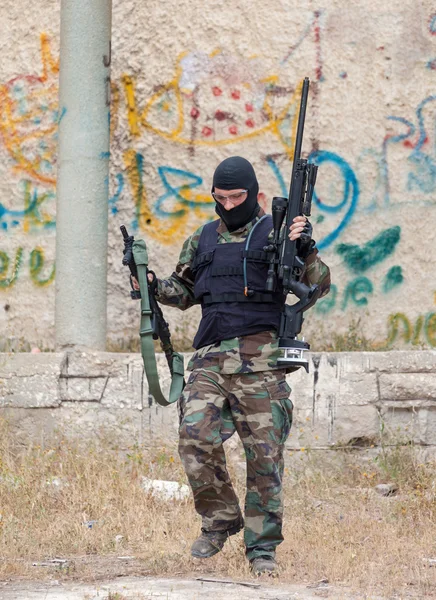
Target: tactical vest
x,y
219,285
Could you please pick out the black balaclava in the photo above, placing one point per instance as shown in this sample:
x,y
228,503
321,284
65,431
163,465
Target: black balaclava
x,y
232,174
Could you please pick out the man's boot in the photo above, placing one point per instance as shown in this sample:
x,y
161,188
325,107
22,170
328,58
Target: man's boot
x,y
212,542
209,543
264,565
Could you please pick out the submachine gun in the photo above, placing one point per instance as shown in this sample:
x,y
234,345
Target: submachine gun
x,y
153,325
286,266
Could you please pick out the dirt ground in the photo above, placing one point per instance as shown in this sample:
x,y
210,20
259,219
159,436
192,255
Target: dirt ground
x,y
125,578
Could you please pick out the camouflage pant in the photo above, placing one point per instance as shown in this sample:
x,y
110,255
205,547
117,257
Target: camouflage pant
x,y
257,405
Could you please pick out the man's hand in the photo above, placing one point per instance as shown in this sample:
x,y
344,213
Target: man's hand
x,y
136,284
297,227
301,230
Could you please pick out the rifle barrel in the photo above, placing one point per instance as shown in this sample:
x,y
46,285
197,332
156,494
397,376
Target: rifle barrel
x,y
300,128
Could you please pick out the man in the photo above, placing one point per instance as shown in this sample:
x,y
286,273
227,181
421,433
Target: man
x,y
235,382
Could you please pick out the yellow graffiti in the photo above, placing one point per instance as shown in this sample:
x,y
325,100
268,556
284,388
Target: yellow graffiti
x,y
137,118
115,103
29,118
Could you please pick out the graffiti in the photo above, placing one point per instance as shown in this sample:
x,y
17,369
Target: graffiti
x,y
40,272
358,291
179,203
5,281
113,200
432,29
359,259
314,27
338,182
420,330
29,119
393,278
37,266
242,102
422,165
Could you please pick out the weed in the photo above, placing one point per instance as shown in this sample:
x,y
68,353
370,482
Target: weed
x,y
73,501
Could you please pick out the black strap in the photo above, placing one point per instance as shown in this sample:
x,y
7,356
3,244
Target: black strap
x,y
256,297
255,256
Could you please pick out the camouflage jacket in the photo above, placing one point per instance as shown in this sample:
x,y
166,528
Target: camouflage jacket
x,y
246,354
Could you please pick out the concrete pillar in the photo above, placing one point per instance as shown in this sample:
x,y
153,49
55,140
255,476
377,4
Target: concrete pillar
x,y
83,172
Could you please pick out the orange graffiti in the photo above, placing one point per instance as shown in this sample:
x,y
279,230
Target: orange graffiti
x,y
29,118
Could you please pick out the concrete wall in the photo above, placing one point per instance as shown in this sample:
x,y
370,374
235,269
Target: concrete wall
x,y
358,399
193,84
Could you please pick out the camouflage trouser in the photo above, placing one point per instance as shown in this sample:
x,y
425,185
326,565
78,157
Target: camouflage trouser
x,y
257,405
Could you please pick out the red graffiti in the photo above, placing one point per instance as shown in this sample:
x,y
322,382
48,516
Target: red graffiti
x,y
236,94
317,30
206,131
410,144
233,130
195,113
216,91
220,115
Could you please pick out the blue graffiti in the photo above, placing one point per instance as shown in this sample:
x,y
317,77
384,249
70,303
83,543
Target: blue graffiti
x,y
423,176
114,199
426,180
350,196
276,170
393,139
32,201
186,181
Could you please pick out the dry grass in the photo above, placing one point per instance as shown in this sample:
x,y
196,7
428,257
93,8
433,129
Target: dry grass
x,y
335,525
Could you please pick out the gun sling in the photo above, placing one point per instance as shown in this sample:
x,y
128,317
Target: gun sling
x,y
146,332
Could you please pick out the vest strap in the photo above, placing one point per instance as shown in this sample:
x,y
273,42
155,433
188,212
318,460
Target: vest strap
x,y
227,270
202,259
255,256
257,297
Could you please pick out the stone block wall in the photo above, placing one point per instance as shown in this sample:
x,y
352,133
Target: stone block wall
x,y
357,399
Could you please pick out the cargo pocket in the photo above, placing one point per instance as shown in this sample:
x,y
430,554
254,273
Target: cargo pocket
x,y
281,409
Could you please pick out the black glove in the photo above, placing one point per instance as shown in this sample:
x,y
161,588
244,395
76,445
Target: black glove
x,y
305,243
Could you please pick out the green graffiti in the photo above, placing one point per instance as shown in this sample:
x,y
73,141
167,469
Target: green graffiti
x,y
5,281
394,323
399,326
36,263
359,259
357,291
393,278
325,305
430,329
